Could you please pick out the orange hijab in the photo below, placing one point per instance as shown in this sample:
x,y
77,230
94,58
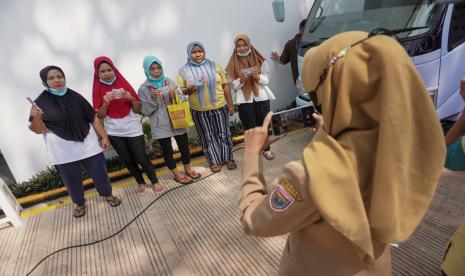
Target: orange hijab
x,y
237,63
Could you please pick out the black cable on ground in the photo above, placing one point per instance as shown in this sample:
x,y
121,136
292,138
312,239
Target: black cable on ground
x,y
124,227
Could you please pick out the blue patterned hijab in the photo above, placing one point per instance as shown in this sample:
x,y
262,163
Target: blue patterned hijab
x,y
148,61
207,69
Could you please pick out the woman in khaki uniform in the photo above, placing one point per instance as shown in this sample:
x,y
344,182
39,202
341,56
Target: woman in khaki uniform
x,y
367,177
454,261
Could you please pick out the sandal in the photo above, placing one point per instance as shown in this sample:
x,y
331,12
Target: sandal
x,y
268,155
141,189
184,180
215,168
231,165
193,174
158,188
79,211
113,201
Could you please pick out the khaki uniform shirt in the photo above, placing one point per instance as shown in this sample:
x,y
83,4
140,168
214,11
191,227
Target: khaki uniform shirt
x,y
313,246
454,262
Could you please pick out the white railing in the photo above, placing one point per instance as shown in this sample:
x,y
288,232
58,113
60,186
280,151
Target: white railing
x,y
9,205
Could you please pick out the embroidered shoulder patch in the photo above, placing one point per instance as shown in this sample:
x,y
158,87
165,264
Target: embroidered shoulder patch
x,y
290,189
280,199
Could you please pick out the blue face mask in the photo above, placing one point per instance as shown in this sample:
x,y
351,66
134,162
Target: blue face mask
x,y
197,64
156,79
58,92
108,82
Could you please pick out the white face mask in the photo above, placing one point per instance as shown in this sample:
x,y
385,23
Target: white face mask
x,y
244,54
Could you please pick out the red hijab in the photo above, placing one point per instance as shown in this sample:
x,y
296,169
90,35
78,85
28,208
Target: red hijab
x,y
118,108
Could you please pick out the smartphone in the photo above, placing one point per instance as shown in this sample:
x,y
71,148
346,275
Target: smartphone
x,y
198,82
164,89
117,93
247,71
33,103
283,122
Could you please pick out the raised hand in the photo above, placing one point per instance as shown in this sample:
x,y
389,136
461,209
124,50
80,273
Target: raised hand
x,y
243,78
255,74
190,88
275,56
36,113
126,95
108,98
319,121
154,92
255,138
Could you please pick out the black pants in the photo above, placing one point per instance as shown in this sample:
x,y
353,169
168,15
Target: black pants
x,y
167,149
132,152
71,174
253,114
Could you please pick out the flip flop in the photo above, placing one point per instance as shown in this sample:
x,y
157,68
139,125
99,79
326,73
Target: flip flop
x,y
113,201
79,211
141,189
231,165
195,175
184,180
158,192
215,168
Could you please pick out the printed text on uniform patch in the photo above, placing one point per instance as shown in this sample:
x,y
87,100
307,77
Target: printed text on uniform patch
x,y
290,189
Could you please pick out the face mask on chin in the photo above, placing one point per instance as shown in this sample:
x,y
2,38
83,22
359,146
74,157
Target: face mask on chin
x,y
244,54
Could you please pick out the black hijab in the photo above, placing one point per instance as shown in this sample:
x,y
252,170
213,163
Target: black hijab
x,y
44,73
68,116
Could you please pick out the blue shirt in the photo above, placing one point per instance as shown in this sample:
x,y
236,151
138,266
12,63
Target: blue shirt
x,y
455,157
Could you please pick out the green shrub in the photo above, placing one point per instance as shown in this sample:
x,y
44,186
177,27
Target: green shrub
x,y
146,128
236,128
45,180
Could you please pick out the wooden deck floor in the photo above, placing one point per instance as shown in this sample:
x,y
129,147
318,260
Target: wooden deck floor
x,y
194,230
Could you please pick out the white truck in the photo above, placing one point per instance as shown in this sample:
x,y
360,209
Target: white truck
x,y
432,32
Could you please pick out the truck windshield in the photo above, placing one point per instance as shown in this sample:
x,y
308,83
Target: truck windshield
x,y
330,17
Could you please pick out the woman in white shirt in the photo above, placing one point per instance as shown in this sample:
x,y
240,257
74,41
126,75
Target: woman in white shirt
x,y
117,102
250,76
69,125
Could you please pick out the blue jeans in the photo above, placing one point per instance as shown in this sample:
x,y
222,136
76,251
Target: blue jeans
x,y
71,175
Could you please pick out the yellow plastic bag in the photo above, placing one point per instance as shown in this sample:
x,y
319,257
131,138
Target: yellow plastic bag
x,y
180,114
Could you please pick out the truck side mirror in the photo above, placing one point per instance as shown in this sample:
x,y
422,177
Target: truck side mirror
x,y
278,10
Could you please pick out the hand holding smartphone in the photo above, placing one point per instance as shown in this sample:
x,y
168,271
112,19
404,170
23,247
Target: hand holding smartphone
x,y
247,71
34,104
117,93
154,92
198,82
286,121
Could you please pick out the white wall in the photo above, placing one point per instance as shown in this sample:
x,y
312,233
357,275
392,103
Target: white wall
x,y
71,34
